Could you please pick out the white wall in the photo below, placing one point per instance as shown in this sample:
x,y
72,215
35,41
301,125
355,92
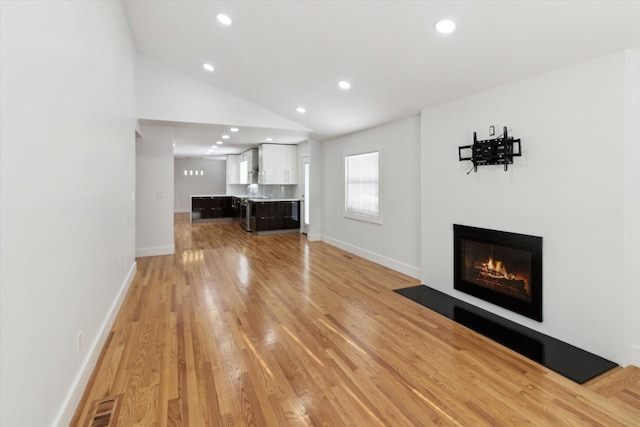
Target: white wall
x,y
396,242
567,188
212,182
632,201
154,192
67,181
316,198
166,94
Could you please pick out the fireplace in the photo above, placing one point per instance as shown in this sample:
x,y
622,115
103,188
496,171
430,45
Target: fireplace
x,y
499,267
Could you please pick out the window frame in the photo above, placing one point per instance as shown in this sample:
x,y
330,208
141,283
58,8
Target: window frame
x,y
353,215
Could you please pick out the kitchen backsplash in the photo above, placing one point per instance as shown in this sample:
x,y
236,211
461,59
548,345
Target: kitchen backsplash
x,y
277,191
271,191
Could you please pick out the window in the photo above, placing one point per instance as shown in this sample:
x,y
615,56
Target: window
x,y
362,186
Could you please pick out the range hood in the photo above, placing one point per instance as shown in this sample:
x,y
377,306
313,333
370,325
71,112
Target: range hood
x,y
253,175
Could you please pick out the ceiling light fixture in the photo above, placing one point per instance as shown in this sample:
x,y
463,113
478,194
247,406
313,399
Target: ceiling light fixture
x,y
445,26
224,19
208,67
234,129
219,142
269,139
344,85
301,110
225,137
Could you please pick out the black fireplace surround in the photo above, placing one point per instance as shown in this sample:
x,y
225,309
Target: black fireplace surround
x,y
499,267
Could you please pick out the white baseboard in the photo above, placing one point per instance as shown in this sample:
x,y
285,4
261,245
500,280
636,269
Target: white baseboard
x,y
313,237
158,250
393,264
72,399
181,210
635,355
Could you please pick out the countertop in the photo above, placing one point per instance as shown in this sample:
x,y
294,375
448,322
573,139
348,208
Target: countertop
x,y
246,196
273,200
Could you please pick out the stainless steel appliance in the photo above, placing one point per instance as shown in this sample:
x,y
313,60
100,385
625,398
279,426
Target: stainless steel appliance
x,y
244,215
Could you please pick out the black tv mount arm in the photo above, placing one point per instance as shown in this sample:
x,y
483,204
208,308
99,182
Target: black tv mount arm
x,y
497,151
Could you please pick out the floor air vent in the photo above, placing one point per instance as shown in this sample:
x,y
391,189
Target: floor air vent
x,y
104,412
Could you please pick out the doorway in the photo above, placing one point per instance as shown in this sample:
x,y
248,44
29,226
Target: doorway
x,y
305,195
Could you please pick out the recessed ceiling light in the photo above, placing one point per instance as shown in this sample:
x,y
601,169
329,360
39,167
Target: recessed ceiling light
x,y
343,84
214,146
225,137
269,139
301,110
174,145
445,26
224,19
208,67
219,142
234,129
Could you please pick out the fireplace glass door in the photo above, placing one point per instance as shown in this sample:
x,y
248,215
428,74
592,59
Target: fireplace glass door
x,y
500,267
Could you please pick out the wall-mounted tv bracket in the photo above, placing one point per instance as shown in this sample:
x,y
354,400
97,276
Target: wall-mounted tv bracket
x,y
497,151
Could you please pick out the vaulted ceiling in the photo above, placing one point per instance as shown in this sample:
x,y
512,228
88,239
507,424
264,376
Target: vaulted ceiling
x,y
279,55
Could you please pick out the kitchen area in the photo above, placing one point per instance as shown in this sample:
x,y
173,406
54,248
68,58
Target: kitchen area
x,y
260,192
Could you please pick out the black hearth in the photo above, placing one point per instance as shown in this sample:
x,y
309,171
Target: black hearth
x,y
499,267
574,363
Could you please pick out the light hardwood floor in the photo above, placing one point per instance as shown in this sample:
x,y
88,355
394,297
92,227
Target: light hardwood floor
x,y
238,330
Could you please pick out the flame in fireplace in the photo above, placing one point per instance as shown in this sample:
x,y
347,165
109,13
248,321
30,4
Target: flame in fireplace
x,y
497,269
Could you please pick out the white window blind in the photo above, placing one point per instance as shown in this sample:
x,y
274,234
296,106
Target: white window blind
x,y
362,184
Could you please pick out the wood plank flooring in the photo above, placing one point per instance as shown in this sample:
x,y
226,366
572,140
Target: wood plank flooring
x,y
244,330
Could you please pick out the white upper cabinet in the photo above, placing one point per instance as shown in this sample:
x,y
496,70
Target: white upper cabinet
x,y
278,164
291,164
233,169
248,163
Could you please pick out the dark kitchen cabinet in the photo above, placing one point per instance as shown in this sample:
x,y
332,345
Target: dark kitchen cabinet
x,y
212,208
207,207
197,208
265,216
290,214
228,211
276,215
